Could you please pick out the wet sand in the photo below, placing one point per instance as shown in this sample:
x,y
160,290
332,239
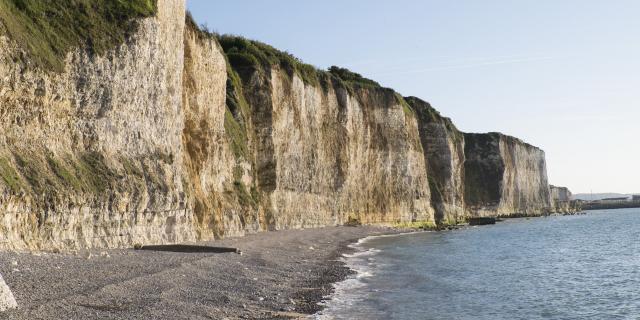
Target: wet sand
x,y
279,275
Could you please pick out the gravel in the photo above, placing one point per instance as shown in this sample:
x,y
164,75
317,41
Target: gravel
x,y
272,275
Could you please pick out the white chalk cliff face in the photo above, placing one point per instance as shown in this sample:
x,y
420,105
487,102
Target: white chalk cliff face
x,y
161,140
561,200
339,154
93,156
560,193
505,176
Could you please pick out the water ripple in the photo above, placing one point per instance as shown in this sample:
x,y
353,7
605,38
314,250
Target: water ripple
x,y
579,267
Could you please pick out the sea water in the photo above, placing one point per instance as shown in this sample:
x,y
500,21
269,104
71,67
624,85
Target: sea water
x,y
566,267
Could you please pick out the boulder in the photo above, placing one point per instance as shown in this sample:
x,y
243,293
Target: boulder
x,y
7,301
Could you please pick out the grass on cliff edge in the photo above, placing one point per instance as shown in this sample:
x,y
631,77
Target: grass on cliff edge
x,y
243,53
351,77
49,29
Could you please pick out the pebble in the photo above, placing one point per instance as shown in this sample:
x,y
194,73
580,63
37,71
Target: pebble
x,y
262,288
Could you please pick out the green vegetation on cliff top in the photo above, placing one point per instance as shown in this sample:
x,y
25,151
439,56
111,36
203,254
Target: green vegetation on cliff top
x,y
350,77
48,30
426,113
424,109
243,53
496,136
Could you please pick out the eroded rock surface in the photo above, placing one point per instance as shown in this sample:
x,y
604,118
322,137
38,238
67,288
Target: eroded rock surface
x,y
168,138
93,156
443,147
340,154
505,177
562,202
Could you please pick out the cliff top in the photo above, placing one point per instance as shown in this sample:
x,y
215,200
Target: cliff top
x,y
426,110
48,30
245,53
498,135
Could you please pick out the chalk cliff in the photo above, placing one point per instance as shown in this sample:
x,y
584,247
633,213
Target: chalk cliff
x,y
505,177
561,201
175,134
93,155
443,147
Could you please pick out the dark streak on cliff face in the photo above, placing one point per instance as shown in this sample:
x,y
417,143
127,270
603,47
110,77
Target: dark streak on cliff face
x,y
505,177
483,169
443,147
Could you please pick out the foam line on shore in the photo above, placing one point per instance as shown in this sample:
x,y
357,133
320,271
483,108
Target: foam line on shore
x,y
363,263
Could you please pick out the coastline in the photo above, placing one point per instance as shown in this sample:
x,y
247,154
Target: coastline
x,y
289,274
337,269
279,275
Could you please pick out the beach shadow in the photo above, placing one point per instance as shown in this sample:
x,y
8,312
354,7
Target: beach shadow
x,y
188,248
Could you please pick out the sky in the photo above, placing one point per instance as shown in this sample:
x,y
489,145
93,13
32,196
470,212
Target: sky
x,y
563,75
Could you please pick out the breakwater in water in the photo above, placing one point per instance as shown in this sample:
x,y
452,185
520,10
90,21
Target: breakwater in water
x,y
601,205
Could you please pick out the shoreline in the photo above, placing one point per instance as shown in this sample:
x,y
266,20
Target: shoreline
x,y
337,270
279,275
346,252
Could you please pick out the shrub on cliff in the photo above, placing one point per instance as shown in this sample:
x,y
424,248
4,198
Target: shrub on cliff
x,y
48,30
350,77
244,53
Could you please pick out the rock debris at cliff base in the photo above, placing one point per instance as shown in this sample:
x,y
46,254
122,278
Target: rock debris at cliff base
x,y
7,300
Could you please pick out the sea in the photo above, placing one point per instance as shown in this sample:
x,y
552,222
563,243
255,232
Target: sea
x,y
559,267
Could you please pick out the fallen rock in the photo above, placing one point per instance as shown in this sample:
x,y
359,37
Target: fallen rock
x,y
480,221
7,301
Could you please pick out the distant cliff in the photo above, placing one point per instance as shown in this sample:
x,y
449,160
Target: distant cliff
x,y
159,132
562,201
505,176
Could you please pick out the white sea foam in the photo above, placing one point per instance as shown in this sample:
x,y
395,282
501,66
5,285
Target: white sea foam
x,y
346,293
350,291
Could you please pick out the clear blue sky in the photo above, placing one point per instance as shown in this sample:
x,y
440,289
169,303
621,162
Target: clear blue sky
x,y
563,75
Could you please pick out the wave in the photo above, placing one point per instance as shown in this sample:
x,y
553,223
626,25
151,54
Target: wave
x,y
349,292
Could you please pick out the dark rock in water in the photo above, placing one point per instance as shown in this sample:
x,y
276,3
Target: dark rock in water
x,y
479,221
